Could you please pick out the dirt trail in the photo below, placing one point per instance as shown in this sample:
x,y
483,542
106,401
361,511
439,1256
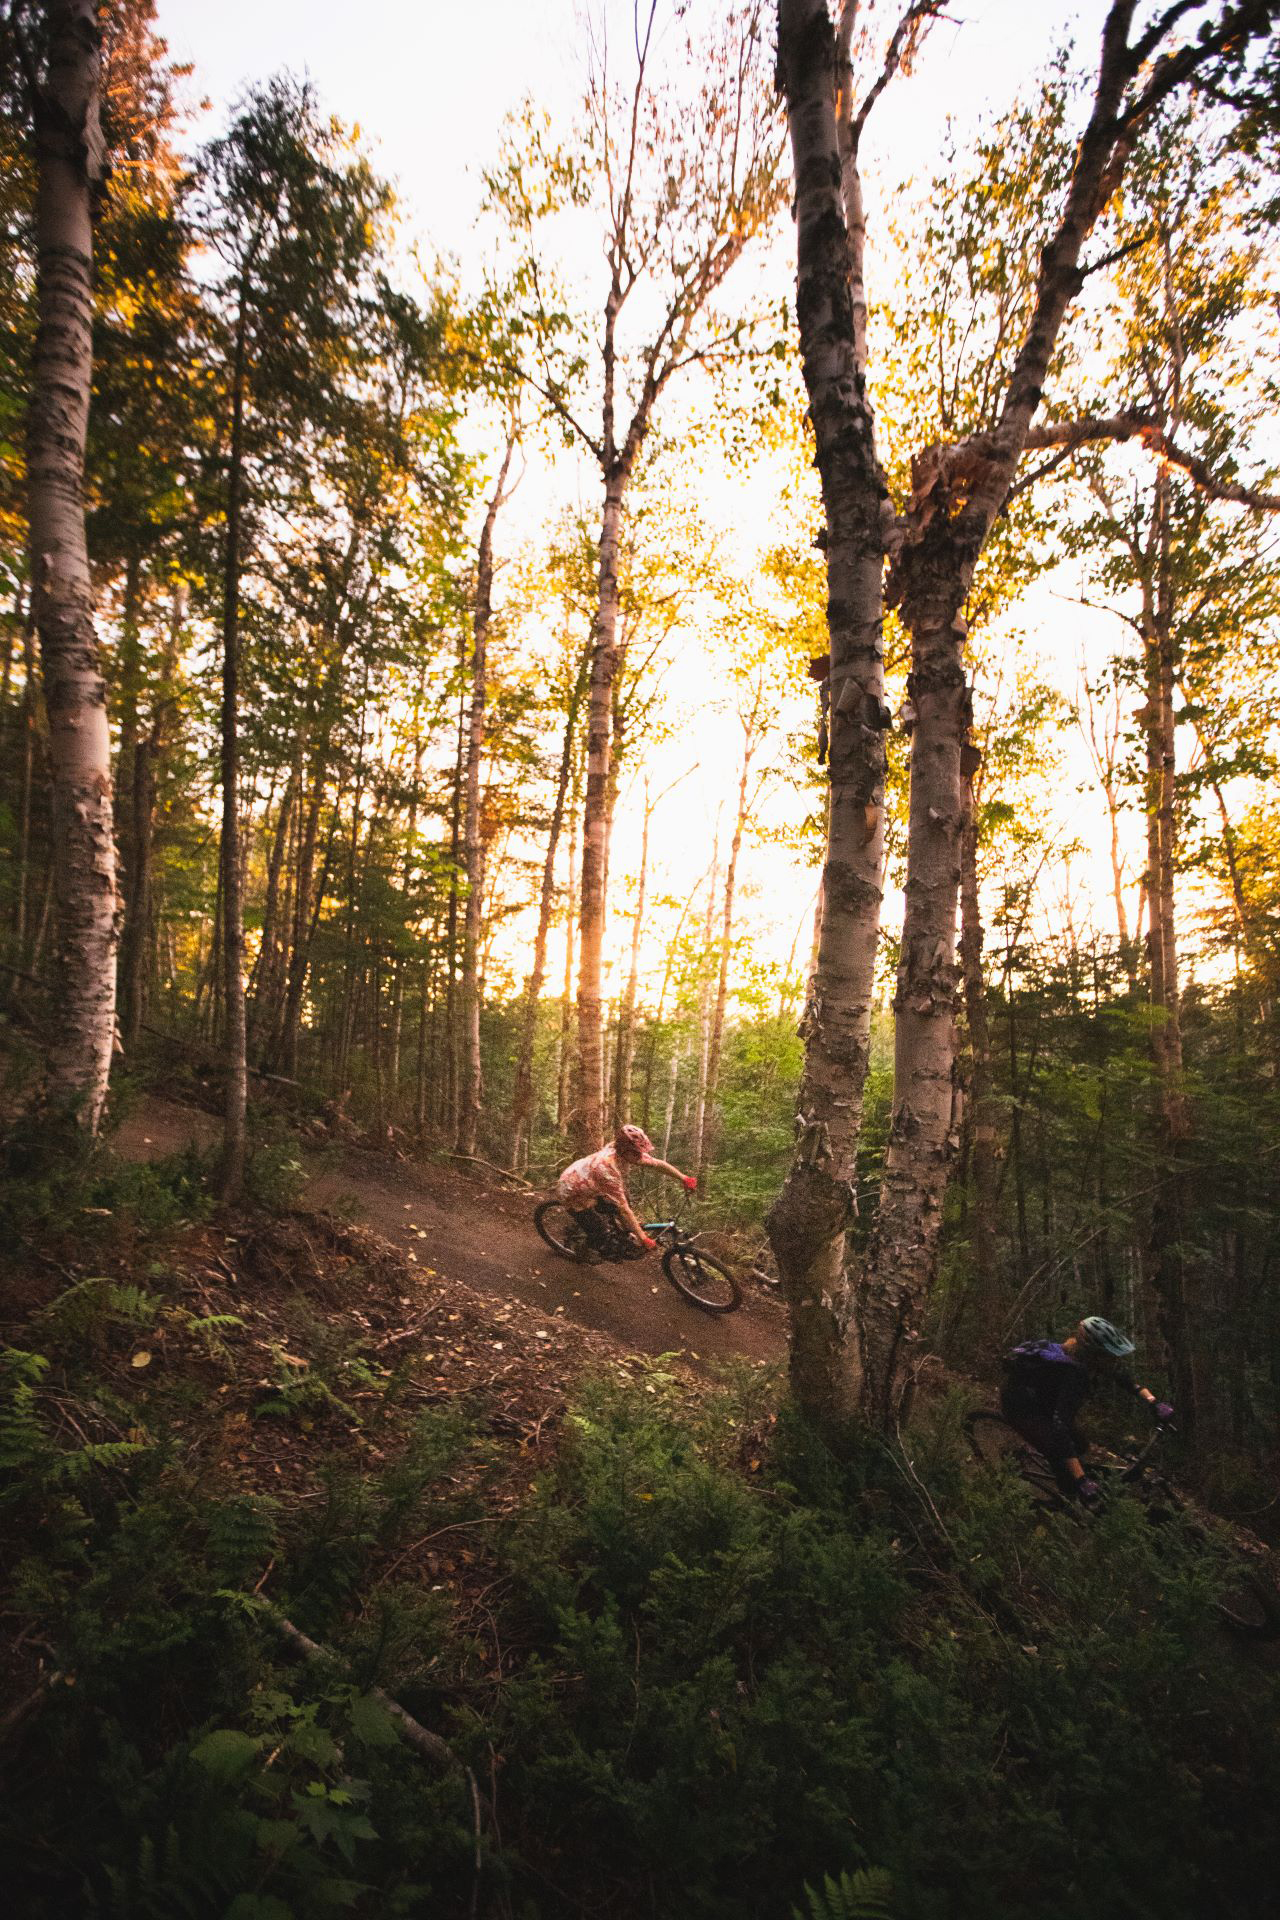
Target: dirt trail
x,y
463,1230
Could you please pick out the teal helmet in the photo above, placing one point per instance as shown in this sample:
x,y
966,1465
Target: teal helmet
x,y
1108,1339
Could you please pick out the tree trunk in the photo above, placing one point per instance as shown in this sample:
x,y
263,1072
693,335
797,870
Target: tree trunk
x,y
1167,1264
470,1090
266,973
808,1221
138,916
627,1011
31,734
231,1178
448,1108
957,492
307,902
983,1130
69,162
589,1115
900,1263
564,1072
522,1095
707,1143
704,1010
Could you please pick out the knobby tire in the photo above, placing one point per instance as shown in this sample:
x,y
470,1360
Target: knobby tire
x,y
553,1222
702,1280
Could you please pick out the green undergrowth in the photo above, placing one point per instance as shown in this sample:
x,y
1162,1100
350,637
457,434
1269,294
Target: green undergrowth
x,y
693,1667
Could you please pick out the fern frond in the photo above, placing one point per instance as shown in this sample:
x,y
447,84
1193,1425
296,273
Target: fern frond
x,y
95,1301
864,1895
70,1467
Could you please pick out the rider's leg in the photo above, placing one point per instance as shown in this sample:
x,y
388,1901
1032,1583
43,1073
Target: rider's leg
x,y
600,1224
1044,1434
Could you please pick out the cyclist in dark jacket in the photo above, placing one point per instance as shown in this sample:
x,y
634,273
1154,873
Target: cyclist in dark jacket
x,y
1047,1383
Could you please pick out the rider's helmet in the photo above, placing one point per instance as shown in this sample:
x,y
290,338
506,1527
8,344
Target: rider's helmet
x,y
633,1143
1104,1338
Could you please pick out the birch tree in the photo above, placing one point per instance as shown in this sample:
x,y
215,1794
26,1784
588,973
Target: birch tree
x,y
61,61
933,545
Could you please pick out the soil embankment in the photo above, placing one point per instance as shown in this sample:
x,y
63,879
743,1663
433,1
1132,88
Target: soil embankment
x,y
463,1230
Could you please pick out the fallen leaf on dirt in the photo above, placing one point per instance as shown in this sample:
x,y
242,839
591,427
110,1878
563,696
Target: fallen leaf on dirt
x,y
141,1359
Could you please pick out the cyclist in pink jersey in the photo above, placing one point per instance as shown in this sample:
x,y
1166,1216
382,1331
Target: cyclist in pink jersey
x,y
595,1189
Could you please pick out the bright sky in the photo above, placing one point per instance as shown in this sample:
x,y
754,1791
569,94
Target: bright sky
x,y
429,82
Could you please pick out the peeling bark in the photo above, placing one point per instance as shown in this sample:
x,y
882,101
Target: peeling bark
x,y
70,161
808,1221
957,493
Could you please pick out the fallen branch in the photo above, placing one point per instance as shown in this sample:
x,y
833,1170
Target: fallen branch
x,y
208,1054
420,1738
503,1173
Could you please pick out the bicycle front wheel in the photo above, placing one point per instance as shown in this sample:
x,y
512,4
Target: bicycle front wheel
x,y
703,1280
558,1227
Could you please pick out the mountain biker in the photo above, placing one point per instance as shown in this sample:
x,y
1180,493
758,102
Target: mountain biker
x,y
1046,1384
594,1189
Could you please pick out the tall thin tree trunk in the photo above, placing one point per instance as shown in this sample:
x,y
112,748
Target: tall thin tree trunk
x,y
704,1011
677,1061
983,1133
470,1090
31,729
1167,1263
710,1130
627,1011
70,160
522,1094
307,902
564,1071
138,916
237,1057
266,969
130,678
589,1115
448,1107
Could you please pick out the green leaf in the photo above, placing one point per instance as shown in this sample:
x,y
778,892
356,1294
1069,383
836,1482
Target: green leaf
x,y
226,1753
371,1723
258,1906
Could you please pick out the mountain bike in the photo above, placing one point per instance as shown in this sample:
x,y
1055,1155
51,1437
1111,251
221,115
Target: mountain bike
x,y
1249,1603
699,1276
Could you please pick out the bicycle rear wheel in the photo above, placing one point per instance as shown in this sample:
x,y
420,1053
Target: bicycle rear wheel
x,y
703,1280
996,1445
1249,1604
558,1227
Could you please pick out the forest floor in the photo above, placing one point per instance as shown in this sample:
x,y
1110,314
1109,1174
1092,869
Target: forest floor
x,y
466,1231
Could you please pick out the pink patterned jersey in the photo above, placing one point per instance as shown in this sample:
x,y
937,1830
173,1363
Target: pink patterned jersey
x,y
598,1176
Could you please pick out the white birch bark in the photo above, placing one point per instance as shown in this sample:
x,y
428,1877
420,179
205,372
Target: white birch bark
x,y
808,1222
69,161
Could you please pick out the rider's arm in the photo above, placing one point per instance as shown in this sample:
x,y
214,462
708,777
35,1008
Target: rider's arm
x,y
633,1224
665,1166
